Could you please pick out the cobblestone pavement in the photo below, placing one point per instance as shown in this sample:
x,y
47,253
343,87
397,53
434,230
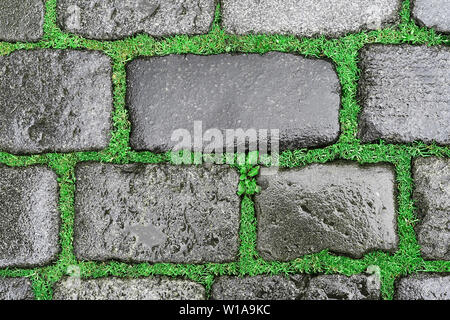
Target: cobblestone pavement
x,y
94,203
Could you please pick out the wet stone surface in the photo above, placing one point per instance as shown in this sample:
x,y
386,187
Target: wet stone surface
x,y
344,207
156,213
21,20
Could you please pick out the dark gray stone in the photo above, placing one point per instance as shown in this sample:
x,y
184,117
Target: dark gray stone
x,y
308,17
424,287
297,287
54,101
405,94
21,20
29,217
16,289
156,213
344,207
158,288
432,198
433,14
296,95
114,19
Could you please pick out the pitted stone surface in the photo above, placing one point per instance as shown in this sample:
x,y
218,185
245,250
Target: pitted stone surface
x,y
432,197
115,19
159,288
424,287
308,17
54,101
405,93
298,96
433,14
21,20
29,217
297,287
344,207
156,213
16,289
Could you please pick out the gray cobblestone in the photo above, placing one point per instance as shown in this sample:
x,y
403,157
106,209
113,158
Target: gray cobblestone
x,y
156,213
346,208
16,289
423,287
432,196
54,101
115,19
404,101
21,20
29,217
433,14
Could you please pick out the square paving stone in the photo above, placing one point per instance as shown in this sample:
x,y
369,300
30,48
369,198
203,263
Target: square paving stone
x,y
298,96
344,207
159,288
21,20
308,18
55,101
432,14
16,289
156,213
29,217
405,94
116,19
424,287
432,199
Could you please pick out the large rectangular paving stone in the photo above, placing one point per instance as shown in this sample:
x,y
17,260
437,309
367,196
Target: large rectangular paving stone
x,y
159,288
432,198
21,20
115,19
29,217
156,213
344,207
308,17
297,287
405,94
55,101
433,14
16,289
423,287
298,96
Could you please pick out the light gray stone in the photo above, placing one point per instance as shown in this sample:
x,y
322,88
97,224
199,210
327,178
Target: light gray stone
x,y
433,14
158,288
29,217
344,207
298,96
424,287
16,289
405,94
115,19
156,213
21,20
432,199
308,18
55,101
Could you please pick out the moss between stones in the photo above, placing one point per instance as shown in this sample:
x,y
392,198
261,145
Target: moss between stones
x,y
344,54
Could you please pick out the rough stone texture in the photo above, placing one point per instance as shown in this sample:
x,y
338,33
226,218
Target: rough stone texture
x,y
54,101
424,287
296,95
128,289
29,217
21,20
433,14
308,17
114,19
346,208
297,287
156,213
16,289
432,198
405,94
